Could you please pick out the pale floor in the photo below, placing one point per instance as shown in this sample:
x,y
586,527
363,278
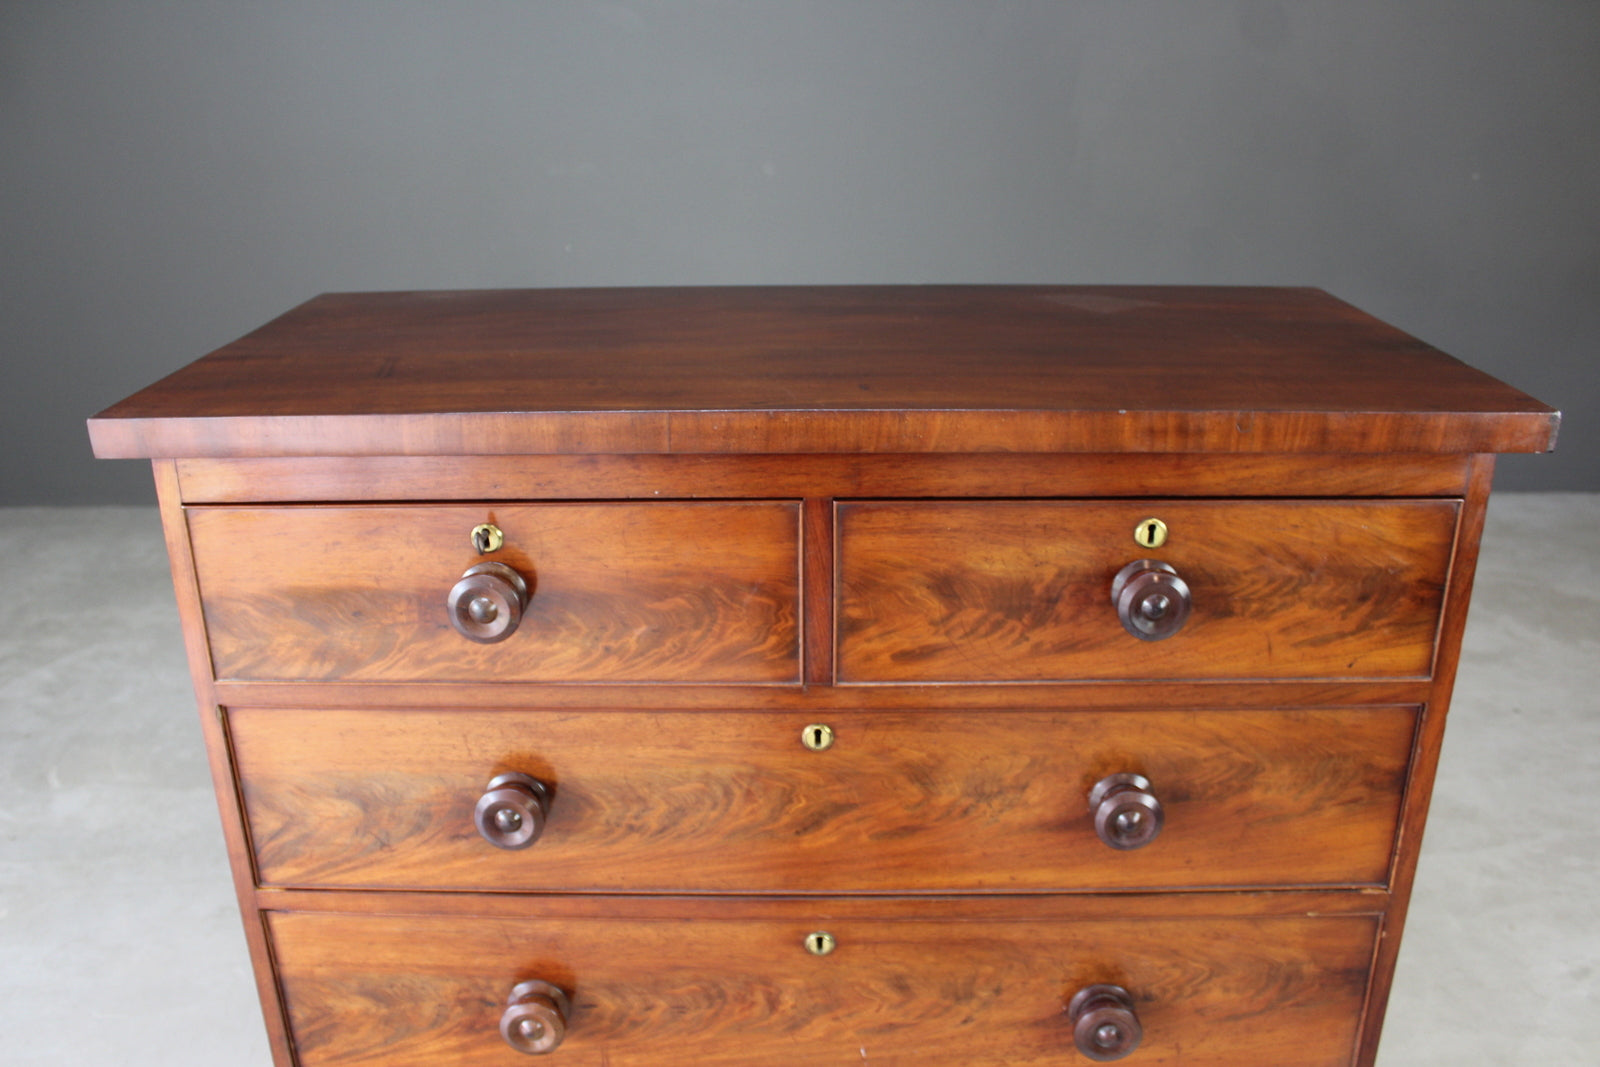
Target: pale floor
x,y
119,943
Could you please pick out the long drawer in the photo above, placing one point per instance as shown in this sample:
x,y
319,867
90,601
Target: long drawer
x,y
915,801
681,592
943,591
905,989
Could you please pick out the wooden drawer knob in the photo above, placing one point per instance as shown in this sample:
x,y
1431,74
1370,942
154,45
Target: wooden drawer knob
x,y
1152,601
1104,1024
512,811
1127,815
487,603
535,1019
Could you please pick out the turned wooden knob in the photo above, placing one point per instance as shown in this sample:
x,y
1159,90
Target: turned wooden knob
x,y
1104,1025
487,603
535,1019
512,811
1127,815
1152,601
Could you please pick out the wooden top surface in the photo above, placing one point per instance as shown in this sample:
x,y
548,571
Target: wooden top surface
x,y
824,369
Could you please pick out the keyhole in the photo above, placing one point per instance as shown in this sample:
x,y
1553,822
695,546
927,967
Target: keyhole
x,y
820,943
817,737
1150,533
486,538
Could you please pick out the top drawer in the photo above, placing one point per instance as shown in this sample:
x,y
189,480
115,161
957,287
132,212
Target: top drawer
x,y
995,591
650,592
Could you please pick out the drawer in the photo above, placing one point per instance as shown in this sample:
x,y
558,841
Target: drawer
x,y
702,592
1007,591
904,989
900,802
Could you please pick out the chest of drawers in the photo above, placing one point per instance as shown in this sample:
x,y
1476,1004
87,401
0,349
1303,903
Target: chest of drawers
x,y
824,676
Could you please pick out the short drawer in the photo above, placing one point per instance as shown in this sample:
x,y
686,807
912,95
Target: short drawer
x,y
702,592
1021,591
901,989
923,801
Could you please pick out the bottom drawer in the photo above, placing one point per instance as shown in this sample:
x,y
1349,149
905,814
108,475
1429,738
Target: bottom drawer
x,y
909,987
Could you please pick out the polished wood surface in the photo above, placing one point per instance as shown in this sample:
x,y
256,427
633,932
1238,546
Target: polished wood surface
x,y
888,519
1188,475
929,801
818,573
819,699
621,592
214,729
806,912
899,989
1430,741
824,369
1020,591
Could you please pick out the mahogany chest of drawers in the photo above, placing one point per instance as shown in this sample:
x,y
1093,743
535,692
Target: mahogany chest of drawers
x,y
824,676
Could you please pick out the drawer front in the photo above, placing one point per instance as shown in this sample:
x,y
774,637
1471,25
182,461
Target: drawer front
x,y
619,592
1004,591
903,990
900,802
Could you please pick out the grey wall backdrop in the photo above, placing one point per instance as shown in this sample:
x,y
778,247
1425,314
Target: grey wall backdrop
x,y
173,172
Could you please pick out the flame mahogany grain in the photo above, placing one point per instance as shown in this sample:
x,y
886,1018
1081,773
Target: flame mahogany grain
x,y
635,592
924,801
1011,591
824,369
893,510
902,987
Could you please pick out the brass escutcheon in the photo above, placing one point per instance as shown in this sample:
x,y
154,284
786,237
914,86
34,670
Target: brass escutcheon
x,y
820,943
487,538
817,737
1150,533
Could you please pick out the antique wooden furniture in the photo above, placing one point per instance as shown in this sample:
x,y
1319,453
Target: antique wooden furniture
x,y
934,676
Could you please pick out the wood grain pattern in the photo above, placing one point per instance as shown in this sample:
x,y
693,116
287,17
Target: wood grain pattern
x,y
817,582
824,369
994,474
819,699
940,483
922,801
1005,591
803,909
621,592
1430,741
899,990
214,729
